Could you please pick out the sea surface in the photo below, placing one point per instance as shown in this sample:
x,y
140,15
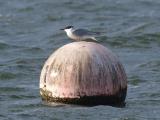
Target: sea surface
x,y
29,33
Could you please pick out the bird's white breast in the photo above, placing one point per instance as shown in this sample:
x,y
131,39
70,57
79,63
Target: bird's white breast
x,y
70,34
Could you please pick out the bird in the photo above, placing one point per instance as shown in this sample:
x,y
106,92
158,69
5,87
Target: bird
x,y
80,34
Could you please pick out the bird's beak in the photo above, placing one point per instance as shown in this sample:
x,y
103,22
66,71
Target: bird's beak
x,y
62,29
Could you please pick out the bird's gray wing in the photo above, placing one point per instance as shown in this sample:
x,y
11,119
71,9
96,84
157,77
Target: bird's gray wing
x,y
84,32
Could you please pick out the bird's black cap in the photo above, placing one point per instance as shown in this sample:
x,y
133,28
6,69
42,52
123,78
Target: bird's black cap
x,y
68,27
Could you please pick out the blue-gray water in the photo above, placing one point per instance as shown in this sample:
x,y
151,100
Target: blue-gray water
x,y
29,33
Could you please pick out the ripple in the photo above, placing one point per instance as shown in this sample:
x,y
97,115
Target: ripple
x,y
16,110
138,29
139,41
135,80
125,42
35,105
149,38
151,95
152,65
53,18
26,66
33,50
22,96
21,61
10,89
4,46
26,9
27,60
7,75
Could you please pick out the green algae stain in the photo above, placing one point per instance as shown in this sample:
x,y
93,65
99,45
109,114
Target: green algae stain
x,y
45,94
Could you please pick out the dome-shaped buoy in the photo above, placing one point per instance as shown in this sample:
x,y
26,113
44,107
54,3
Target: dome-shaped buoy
x,y
84,73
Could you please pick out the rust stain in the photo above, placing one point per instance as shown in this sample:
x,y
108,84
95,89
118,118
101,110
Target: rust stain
x,y
45,76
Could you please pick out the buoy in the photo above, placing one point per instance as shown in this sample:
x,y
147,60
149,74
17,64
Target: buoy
x,y
84,73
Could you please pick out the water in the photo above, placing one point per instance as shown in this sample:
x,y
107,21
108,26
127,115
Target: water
x,y
29,33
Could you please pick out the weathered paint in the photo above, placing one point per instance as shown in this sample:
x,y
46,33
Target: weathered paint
x,y
82,69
